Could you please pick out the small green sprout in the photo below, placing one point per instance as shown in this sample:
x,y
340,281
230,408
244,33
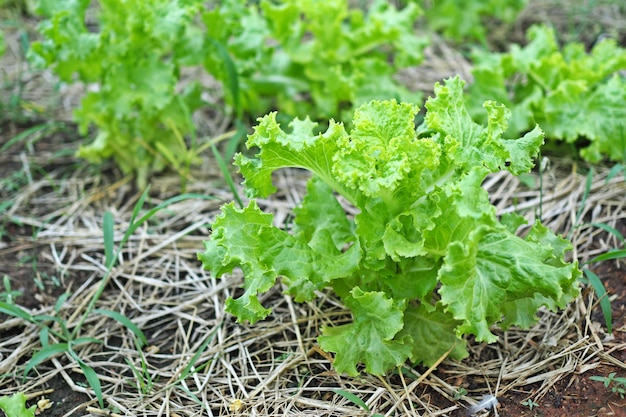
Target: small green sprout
x,y
617,384
530,404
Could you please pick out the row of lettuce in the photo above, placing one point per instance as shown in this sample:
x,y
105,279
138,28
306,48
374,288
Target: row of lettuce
x,y
306,58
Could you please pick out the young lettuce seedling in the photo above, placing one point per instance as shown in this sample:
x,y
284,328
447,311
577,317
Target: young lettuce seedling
x,y
425,262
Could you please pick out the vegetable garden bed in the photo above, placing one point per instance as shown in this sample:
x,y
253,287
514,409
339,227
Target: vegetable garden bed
x,y
101,279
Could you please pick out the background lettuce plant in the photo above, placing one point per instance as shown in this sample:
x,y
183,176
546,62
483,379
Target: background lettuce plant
x,y
570,93
464,21
132,57
425,262
301,56
313,58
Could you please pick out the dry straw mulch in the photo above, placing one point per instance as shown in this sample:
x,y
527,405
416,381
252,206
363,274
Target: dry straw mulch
x,y
200,362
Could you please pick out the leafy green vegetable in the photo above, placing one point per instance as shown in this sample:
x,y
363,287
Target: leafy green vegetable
x,y
15,406
570,93
302,56
426,260
463,20
134,59
3,45
314,58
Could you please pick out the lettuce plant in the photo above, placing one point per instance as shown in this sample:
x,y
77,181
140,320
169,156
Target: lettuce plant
x,y
302,56
314,58
463,20
425,262
570,93
131,58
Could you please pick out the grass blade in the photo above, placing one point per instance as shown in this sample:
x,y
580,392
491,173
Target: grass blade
x,y
605,303
353,398
108,233
135,224
231,72
612,254
15,311
235,140
91,376
617,169
610,230
30,131
227,176
199,352
44,354
126,322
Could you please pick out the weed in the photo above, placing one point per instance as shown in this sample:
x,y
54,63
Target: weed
x,y
8,295
459,392
617,384
355,400
530,403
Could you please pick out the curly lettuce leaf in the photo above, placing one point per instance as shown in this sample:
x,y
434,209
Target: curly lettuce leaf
x,y
345,55
491,272
307,261
15,406
369,339
569,92
425,261
466,20
433,333
469,144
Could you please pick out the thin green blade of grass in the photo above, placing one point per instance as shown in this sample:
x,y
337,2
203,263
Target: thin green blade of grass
x,y
136,210
44,336
46,352
195,398
605,303
187,370
232,75
143,379
227,175
61,300
126,322
134,224
15,311
28,132
235,140
610,230
352,398
615,170
91,376
109,237
85,341
612,254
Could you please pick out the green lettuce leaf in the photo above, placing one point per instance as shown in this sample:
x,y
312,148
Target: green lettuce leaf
x,y
572,94
15,406
433,333
425,261
369,339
